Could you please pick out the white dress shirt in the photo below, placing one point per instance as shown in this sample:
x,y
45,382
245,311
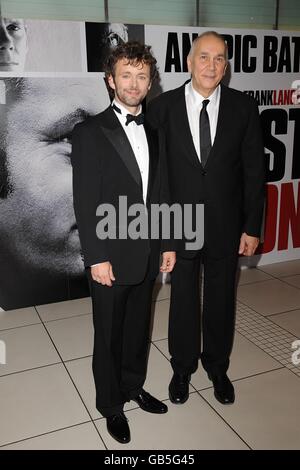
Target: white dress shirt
x,y
139,144
194,101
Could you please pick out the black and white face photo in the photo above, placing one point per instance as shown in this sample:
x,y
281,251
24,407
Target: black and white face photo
x,y
101,38
13,44
37,225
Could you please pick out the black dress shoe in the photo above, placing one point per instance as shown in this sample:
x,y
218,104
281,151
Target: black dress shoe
x,y
223,388
118,428
179,388
148,403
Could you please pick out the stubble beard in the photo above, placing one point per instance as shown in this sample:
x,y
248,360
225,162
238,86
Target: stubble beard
x,y
130,101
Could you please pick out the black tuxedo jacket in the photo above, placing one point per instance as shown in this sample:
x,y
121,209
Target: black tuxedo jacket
x,y
104,168
231,184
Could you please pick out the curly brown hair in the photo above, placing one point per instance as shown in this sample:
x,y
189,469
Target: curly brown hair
x,y
135,52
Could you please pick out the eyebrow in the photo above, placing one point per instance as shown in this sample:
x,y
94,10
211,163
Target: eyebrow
x,y
73,117
208,53
14,20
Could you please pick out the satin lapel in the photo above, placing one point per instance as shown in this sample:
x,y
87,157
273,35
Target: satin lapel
x,y
183,128
113,130
224,125
153,146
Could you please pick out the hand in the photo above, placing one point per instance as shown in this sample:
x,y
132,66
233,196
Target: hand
x,y
168,261
103,273
248,245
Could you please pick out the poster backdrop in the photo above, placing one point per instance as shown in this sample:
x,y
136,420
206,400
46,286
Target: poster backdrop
x,y
52,78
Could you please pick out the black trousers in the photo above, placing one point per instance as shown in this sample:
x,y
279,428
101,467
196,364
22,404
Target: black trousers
x,y
121,316
218,314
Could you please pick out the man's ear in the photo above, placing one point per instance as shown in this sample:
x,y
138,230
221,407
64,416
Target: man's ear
x,y
111,82
150,85
225,68
189,63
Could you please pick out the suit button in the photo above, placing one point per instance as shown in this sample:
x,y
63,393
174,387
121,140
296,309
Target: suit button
x,y
204,173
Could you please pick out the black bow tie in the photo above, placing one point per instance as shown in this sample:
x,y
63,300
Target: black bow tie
x,y
139,119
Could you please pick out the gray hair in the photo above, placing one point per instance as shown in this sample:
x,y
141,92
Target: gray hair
x,y
209,33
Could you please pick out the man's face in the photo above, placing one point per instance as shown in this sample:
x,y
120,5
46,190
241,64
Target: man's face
x,y
117,33
207,64
38,215
131,83
13,45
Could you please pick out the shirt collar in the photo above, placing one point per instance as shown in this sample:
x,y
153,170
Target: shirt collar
x,y
197,98
123,110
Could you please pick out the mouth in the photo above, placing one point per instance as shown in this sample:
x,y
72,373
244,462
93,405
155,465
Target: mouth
x,y
133,92
8,63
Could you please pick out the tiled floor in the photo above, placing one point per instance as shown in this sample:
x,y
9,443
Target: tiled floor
x,y
47,390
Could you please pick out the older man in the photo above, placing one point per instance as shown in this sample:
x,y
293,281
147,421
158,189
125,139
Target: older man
x,y
215,157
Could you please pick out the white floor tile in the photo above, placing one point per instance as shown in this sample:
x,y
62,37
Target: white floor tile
x,y
161,291
287,268
65,309
19,317
193,425
159,374
293,280
162,345
290,321
80,437
161,320
26,348
38,401
269,297
73,337
249,275
266,413
248,359
81,373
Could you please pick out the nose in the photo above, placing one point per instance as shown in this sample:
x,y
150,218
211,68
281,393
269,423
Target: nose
x,y
5,40
211,63
134,82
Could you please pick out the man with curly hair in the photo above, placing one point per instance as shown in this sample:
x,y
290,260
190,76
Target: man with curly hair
x,y
115,155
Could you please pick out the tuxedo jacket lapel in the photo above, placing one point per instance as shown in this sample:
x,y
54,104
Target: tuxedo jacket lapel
x,y
224,124
114,132
153,146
